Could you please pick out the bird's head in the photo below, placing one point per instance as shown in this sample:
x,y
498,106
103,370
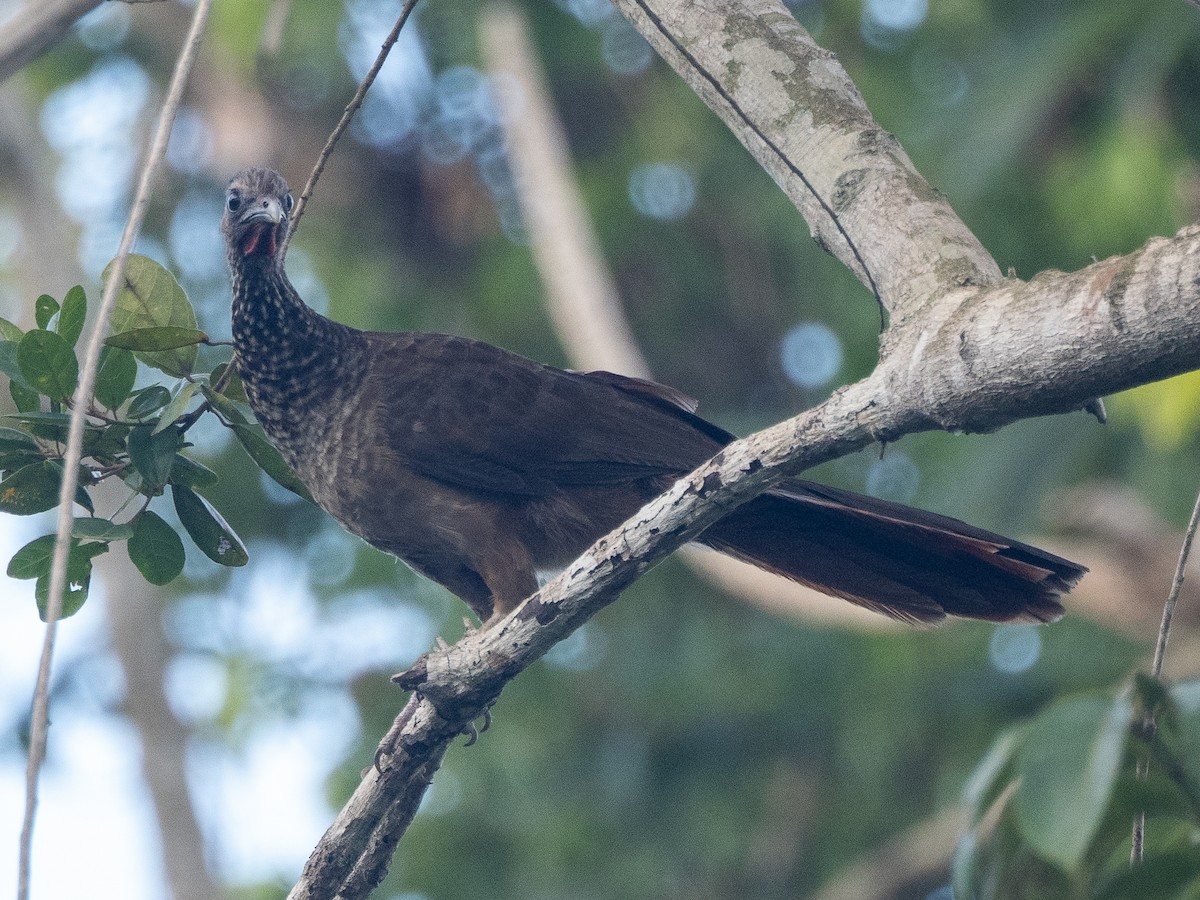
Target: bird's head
x,y
257,206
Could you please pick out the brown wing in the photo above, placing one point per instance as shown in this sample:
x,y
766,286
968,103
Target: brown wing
x,y
478,417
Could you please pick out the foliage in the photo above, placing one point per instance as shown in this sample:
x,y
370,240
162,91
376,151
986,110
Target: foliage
x,y
138,436
1053,801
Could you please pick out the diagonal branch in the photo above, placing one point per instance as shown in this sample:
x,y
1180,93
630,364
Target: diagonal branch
x,y
937,381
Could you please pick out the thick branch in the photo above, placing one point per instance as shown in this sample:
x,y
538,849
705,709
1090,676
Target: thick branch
x,y
795,109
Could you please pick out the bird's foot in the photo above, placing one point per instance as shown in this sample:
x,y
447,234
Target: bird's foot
x,y
472,732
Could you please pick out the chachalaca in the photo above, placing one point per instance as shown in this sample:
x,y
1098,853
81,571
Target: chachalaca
x,y
479,468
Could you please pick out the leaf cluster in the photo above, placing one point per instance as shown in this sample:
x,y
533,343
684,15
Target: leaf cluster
x,y
138,435
1053,801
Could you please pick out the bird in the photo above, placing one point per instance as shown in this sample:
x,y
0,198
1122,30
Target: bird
x,y
480,468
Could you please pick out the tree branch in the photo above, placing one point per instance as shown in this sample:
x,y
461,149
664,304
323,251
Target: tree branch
x,y
968,351
795,109
36,28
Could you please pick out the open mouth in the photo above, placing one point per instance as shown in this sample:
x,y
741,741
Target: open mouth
x,y
254,239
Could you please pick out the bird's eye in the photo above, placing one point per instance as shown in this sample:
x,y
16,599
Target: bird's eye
x,y
234,201
288,202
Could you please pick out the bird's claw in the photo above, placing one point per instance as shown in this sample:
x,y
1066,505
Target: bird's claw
x,y
472,732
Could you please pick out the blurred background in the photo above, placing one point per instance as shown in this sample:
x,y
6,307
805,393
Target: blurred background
x,y
686,742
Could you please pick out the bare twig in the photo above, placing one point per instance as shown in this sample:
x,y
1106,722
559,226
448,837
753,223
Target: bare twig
x,y
71,458
1164,629
1150,723
344,122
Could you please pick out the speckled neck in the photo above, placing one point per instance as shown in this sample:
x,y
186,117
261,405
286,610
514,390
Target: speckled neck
x,y
294,362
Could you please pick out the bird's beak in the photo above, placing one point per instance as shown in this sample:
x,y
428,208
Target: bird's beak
x,y
268,209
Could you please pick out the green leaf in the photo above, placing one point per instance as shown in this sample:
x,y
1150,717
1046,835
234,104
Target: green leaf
x,y
994,772
31,489
44,309
11,367
147,401
33,559
87,528
79,579
37,417
115,377
1158,875
167,337
9,331
25,398
155,548
153,455
72,315
48,363
106,443
1068,766
234,390
16,439
178,405
262,452
152,298
15,459
1186,698
191,474
208,530
223,405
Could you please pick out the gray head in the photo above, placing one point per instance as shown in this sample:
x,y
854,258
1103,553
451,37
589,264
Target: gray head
x,y
257,206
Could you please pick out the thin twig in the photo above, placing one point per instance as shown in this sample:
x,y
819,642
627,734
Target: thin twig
x,y
344,123
1150,723
1164,629
83,392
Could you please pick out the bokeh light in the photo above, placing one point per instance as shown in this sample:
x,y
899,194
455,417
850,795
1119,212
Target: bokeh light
x,y
623,48
662,190
886,24
104,28
1015,647
939,78
191,145
391,111
92,124
895,477
898,15
811,354
195,242
589,12
196,685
